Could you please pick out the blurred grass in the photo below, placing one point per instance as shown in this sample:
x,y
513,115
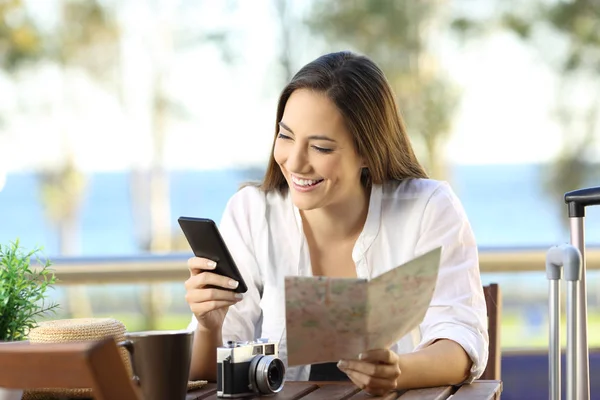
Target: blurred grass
x,y
137,322
516,333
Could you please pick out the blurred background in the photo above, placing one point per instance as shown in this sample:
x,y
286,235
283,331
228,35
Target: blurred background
x,y
117,117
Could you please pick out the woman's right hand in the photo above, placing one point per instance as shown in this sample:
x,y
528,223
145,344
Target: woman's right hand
x,y
209,304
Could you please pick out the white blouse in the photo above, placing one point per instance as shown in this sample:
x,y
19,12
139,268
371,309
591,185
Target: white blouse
x,y
264,234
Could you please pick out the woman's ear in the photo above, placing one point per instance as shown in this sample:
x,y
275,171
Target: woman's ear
x,y
363,161
363,166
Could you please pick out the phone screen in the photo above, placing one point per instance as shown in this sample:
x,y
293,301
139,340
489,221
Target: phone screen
x,y
206,241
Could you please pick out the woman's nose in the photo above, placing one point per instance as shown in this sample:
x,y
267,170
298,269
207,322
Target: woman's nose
x,y
296,161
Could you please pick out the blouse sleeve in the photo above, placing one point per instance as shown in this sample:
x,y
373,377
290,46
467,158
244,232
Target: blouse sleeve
x,y
236,227
457,310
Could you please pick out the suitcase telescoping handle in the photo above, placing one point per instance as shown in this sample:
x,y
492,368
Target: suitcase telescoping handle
x,y
565,257
577,201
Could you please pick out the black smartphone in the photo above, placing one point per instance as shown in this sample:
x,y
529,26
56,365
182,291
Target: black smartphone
x,y
206,241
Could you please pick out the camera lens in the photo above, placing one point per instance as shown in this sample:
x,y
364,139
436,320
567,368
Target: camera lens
x,y
267,374
275,373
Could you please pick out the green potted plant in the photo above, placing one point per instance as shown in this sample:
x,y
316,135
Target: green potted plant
x,y
23,296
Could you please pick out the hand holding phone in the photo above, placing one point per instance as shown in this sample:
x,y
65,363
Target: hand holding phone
x,y
215,283
207,296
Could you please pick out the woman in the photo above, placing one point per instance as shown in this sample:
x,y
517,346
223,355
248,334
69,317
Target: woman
x,y
344,196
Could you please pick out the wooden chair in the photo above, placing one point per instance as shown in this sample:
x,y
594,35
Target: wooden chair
x,y
92,364
493,300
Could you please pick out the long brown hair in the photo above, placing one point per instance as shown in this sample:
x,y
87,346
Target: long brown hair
x,y
366,101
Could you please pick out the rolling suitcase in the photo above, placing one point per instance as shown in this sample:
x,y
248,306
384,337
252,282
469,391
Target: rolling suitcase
x,y
570,258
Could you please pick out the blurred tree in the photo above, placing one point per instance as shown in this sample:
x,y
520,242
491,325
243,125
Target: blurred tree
x,y
20,40
150,187
152,201
566,35
286,27
173,31
397,36
20,43
78,40
86,37
61,188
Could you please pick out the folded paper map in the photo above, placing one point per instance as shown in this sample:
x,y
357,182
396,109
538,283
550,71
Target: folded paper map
x,y
328,319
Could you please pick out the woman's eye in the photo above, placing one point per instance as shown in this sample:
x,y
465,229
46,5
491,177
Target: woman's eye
x,y
322,149
282,136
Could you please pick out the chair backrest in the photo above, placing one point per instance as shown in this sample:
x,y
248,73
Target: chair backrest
x,y
91,364
493,300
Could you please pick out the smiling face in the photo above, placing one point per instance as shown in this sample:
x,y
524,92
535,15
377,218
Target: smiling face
x,y
315,152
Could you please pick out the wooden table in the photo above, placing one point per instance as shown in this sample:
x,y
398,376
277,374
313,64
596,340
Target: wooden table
x,y
488,390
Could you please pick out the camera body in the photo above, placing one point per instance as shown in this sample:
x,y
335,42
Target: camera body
x,y
249,368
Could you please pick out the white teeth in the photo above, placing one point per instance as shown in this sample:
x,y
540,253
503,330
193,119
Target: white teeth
x,y
304,182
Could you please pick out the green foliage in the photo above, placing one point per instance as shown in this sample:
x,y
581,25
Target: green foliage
x,y
567,35
578,19
87,37
22,291
517,24
466,27
398,36
577,24
20,40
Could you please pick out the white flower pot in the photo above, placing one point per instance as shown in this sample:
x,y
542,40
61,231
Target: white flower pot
x,y
11,394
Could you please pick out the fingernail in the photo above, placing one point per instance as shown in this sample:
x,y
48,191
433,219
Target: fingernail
x,y
361,356
233,283
239,296
342,364
211,264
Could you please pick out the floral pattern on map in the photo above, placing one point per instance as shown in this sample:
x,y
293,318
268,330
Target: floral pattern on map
x,y
328,319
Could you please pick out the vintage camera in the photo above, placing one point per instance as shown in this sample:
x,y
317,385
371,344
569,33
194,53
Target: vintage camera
x,y
249,368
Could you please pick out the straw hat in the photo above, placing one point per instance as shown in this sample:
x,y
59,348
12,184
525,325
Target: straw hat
x,y
75,330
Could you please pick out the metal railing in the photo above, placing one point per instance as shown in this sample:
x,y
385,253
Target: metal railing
x,y
173,267
153,274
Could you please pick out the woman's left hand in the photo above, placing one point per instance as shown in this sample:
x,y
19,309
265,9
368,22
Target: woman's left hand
x,y
375,371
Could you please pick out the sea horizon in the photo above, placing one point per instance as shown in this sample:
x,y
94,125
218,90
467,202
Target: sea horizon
x,y
506,206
